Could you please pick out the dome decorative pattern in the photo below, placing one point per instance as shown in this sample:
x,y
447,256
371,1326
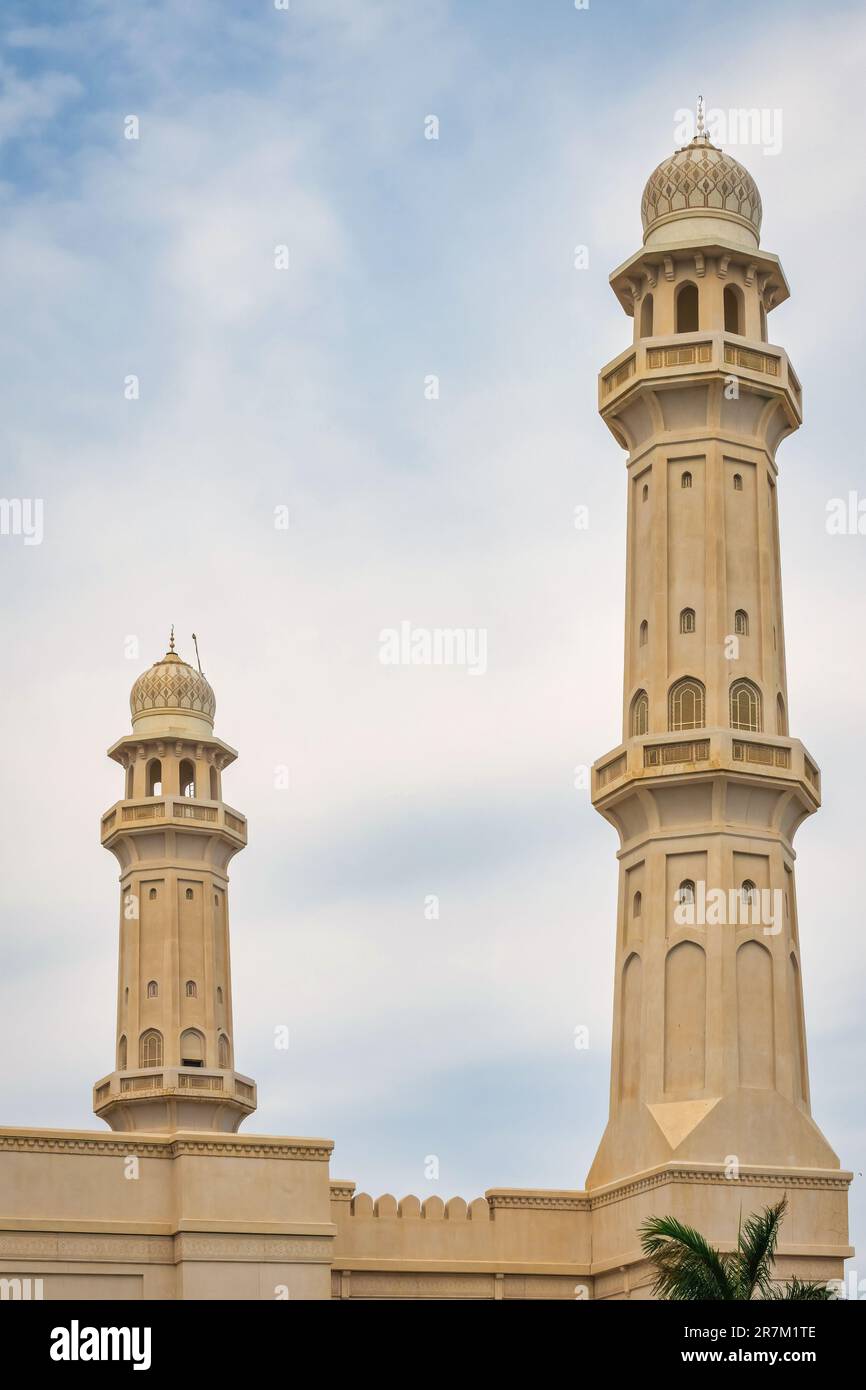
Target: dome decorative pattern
x,y
700,177
171,684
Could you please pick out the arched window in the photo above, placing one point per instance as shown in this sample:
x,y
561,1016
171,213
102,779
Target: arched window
x,y
645,491
686,893
214,784
687,308
738,482
150,1049
153,780
187,778
637,904
686,705
152,894
191,1048
646,317
224,1051
733,310
643,635
763,324
189,895
687,620
781,716
749,894
686,480
152,989
191,989
219,994
640,714
746,712
121,1053
741,623
126,995
129,778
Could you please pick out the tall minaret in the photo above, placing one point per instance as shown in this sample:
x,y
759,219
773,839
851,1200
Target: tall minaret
x,y
173,837
707,787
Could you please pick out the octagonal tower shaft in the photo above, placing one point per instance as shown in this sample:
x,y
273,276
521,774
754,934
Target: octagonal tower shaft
x,y
707,787
173,837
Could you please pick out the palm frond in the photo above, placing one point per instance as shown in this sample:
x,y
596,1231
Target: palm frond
x,y
800,1291
756,1249
688,1267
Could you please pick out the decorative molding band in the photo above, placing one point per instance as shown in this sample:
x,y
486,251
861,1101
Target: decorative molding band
x,y
121,1146
342,1191
260,1249
538,1201
816,1180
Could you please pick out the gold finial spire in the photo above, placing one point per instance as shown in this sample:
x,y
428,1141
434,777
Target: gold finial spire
x,y
171,639
701,135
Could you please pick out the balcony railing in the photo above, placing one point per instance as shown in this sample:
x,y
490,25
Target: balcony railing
x,y
172,808
687,354
169,1081
723,749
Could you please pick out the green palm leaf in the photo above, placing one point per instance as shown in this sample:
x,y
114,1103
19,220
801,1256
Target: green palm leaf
x,y
756,1250
688,1267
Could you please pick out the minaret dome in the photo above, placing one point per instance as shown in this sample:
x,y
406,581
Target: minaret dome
x,y
700,192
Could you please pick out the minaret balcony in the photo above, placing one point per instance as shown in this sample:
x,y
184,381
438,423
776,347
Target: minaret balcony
x,y
227,1096
684,357
158,811
699,752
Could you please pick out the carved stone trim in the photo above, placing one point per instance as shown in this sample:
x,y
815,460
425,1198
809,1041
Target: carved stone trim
x,y
112,1147
269,1249
817,1182
538,1201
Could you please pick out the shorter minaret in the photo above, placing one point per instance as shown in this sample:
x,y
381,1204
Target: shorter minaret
x,y
173,837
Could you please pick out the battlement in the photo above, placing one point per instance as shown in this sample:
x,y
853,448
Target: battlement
x,y
432,1208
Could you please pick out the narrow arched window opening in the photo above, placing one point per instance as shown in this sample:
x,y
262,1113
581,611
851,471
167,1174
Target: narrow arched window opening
x,y
130,772
223,1045
189,895
733,310
643,634
214,784
637,905
781,717
686,480
152,989
738,482
191,1048
687,308
686,893
152,895
687,620
746,711
646,317
153,780
645,491
749,894
187,777
150,1049
741,623
640,714
219,994
121,1054
686,705
191,989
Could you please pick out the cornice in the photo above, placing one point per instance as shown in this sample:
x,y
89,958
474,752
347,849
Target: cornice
x,y
153,1146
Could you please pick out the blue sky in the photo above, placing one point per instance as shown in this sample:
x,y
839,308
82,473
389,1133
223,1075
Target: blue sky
x,y
407,257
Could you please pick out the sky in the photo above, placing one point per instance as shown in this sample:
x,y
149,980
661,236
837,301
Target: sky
x,y
168,391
